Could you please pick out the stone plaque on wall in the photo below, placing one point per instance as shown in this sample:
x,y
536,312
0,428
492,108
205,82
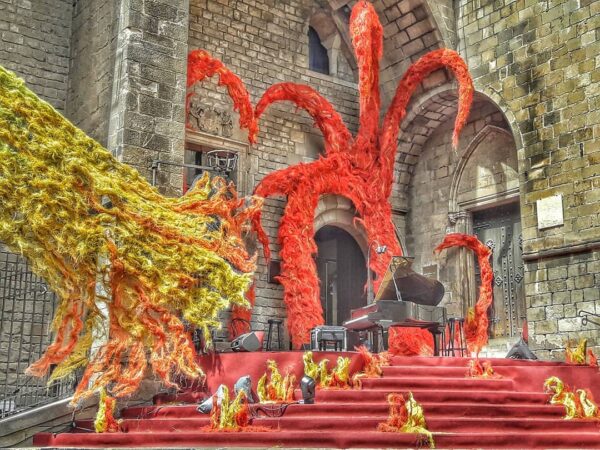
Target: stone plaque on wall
x,y
550,212
203,116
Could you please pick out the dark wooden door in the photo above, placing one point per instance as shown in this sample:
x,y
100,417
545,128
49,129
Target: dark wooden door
x,y
500,229
342,273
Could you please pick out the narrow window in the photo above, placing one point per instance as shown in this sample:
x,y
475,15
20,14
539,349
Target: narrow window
x,y
318,60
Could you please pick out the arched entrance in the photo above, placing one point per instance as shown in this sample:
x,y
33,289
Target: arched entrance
x,y
342,272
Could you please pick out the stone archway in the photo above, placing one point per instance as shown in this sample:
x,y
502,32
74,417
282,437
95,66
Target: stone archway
x,y
338,211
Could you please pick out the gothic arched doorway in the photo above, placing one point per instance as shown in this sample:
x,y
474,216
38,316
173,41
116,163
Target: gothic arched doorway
x,y
342,273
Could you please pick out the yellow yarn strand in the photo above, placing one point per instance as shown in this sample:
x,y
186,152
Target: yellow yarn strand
x,y
79,216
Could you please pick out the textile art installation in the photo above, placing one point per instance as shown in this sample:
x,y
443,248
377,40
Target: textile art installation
x,y
231,415
275,388
410,342
127,264
406,416
338,378
476,323
360,168
578,404
105,421
580,354
478,369
373,365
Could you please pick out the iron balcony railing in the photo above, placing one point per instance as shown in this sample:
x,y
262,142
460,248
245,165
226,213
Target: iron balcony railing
x,y
26,311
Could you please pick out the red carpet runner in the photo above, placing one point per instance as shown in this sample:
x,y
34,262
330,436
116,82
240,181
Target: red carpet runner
x,y
512,412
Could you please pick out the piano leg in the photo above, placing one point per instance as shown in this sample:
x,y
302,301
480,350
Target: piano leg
x,y
436,332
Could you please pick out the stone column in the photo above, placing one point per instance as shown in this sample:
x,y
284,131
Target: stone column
x,y
461,222
148,96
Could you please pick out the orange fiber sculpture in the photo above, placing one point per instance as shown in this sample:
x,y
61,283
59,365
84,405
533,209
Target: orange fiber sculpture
x,y
476,325
359,168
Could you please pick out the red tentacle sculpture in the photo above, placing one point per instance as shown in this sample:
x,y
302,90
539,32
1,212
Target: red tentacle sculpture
x,y
476,325
336,135
201,65
360,169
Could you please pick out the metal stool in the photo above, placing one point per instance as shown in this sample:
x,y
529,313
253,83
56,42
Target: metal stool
x,y
453,322
272,322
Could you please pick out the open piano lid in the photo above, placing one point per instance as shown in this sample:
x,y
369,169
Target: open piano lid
x,y
413,287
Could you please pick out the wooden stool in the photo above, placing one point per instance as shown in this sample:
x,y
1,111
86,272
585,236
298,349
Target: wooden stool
x,y
453,323
271,323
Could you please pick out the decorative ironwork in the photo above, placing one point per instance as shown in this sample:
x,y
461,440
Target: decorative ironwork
x,y
269,410
26,310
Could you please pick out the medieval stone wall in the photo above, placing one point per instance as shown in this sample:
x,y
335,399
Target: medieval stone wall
x,y
538,61
265,42
93,42
34,43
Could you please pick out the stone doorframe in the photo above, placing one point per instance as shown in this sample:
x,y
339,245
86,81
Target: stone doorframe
x,y
339,211
460,214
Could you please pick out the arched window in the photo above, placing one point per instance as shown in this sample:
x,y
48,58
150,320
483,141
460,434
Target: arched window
x,y
318,60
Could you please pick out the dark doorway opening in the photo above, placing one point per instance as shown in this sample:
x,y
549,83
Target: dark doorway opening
x,y
500,229
342,272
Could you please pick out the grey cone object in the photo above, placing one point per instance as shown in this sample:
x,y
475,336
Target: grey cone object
x,y
242,384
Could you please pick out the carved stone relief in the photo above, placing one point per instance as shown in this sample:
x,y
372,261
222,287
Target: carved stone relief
x,y
206,117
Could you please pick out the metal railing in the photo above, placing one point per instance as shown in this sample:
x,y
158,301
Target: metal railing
x,y
585,317
26,311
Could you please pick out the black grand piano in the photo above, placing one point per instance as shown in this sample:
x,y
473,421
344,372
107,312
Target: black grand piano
x,y
405,298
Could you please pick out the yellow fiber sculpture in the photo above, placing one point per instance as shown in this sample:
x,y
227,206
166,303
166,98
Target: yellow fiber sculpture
x,y
83,219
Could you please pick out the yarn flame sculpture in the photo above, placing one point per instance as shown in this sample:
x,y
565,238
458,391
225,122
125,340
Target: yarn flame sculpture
x,y
406,416
578,405
231,416
273,387
483,370
476,324
105,421
118,254
373,365
359,168
577,355
403,341
338,378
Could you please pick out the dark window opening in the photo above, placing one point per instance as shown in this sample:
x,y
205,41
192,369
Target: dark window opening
x,y
196,160
318,60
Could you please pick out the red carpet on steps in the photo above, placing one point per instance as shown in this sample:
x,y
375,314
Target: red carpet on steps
x,y
511,412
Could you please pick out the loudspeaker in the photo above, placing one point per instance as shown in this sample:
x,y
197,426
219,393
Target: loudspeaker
x,y
520,351
247,342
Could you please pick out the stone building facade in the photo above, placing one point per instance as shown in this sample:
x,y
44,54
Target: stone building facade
x,y
117,69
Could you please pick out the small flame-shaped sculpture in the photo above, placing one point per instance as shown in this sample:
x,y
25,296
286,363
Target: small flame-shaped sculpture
x,y
230,415
338,378
105,421
478,369
273,387
577,355
406,416
360,168
578,405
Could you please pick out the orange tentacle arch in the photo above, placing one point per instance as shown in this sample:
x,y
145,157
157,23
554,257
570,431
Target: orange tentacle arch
x,y
202,65
337,137
415,74
367,38
476,325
